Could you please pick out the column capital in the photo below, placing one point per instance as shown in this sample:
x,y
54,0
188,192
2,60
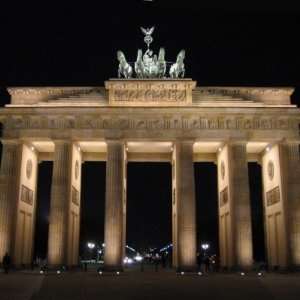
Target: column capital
x,y
11,141
184,141
234,142
62,141
115,141
289,142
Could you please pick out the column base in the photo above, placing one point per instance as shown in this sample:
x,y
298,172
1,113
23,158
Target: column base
x,y
111,269
187,269
56,267
231,269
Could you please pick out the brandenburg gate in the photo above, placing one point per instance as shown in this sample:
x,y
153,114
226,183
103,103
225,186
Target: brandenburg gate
x,y
151,119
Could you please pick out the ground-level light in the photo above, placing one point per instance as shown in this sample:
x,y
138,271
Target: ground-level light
x,y
128,260
138,257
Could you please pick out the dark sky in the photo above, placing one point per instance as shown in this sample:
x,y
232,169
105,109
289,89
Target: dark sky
x,y
227,43
230,43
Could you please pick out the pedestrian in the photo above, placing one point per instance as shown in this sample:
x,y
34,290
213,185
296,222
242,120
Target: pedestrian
x,y
6,261
206,263
156,262
199,260
163,260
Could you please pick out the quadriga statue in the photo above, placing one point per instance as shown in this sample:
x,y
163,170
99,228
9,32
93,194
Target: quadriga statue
x,y
125,69
148,64
177,70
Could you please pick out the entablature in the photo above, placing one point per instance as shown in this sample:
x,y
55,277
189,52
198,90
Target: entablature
x,y
150,93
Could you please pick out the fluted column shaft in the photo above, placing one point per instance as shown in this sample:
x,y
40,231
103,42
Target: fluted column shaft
x,y
114,231
59,206
240,205
290,174
9,172
186,206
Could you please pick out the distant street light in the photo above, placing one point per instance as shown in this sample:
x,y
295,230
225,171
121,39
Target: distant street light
x,y
205,246
91,245
138,257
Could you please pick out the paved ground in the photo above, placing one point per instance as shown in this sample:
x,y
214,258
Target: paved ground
x,y
135,285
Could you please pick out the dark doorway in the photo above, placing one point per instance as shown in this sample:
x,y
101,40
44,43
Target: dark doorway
x,y
257,211
206,186
44,181
149,205
92,204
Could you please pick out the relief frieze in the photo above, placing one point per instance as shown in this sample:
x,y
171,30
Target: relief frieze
x,y
149,95
150,92
150,122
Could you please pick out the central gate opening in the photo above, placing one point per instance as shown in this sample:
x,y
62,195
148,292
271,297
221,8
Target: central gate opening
x,y
92,208
149,210
206,183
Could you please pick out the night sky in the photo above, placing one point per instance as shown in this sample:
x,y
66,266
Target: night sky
x,y
226,44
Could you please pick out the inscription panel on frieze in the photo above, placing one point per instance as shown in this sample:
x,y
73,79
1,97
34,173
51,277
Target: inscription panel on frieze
x,y
135,92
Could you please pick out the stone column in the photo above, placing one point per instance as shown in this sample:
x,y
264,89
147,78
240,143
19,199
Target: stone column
x,y
74,207
59,206
277,161
290,177
174,211
235,231
114,230
125,163
241,209
9,177
185,206
25,209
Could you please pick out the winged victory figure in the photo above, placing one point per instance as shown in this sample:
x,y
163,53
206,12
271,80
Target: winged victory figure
x,y
148,31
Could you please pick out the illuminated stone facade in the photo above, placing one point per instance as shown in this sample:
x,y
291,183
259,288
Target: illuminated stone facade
x,y
151,120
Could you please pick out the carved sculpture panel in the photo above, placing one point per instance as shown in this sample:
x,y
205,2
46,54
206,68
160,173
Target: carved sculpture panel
x,y
26,195
273,196
224,197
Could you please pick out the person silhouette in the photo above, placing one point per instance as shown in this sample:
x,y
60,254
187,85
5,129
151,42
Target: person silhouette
x,y
6,261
